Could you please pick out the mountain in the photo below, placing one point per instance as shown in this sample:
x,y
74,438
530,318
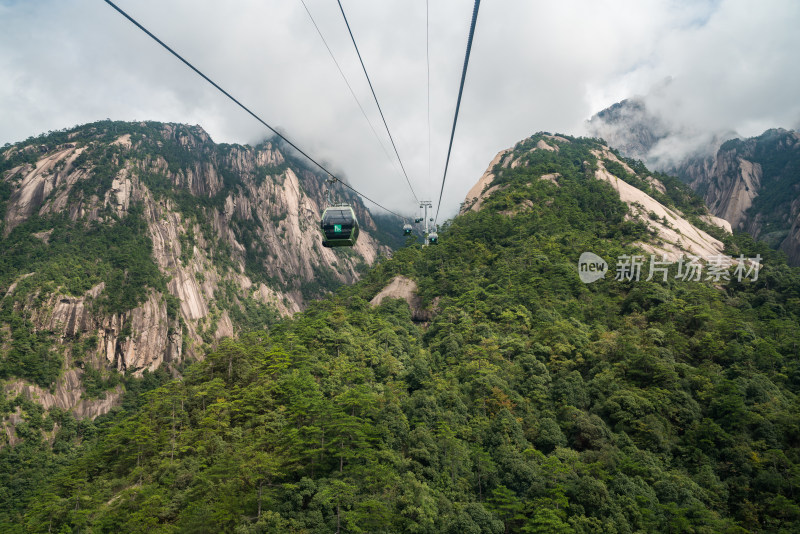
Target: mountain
x,y
752,183
475,386
642,133
675,221
755,184
629,127
131,245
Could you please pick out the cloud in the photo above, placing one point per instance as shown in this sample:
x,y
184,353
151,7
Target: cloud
x,y
733,75
535,66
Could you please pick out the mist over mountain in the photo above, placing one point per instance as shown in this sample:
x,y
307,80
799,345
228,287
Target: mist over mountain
x,y
654,137
753,183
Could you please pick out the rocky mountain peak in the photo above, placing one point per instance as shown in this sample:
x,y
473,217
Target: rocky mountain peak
x,y
675,229
131,245
751,183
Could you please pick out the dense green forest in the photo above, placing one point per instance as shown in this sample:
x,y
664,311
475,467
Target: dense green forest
x,y
530,402
72,260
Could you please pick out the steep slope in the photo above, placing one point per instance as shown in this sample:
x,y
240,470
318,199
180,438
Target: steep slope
x,y
527,402
675,223
753,183
129,245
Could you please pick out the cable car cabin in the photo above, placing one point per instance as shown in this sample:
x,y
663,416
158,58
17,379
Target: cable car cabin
x,y
433,238
339,227
407,228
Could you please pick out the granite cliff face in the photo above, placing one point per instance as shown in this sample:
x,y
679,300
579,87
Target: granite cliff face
x,y
672,232
728,183
753,183
220,237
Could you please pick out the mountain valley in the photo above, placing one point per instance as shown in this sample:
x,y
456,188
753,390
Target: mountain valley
x,y
478,385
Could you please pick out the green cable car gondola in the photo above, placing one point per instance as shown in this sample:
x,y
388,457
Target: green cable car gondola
x,y
339,226
407,228
433,238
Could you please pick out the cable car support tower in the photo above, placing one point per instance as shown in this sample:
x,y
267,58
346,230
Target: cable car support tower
x,y
424,205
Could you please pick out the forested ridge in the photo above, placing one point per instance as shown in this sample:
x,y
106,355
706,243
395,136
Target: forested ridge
x,y
530,402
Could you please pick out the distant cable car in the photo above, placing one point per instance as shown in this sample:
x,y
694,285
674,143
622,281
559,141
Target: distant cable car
x,y
433,238
339,226
407,228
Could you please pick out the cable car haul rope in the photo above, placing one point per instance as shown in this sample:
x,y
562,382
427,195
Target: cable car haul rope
x,y
259,119
364,68
338,223
458,102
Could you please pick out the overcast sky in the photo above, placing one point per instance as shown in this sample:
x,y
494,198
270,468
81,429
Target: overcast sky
x,y
535,66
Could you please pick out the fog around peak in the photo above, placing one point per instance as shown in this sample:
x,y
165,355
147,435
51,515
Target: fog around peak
x,y
535,67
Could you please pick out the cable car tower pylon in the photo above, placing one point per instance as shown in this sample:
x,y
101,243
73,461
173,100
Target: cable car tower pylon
x,y
424,205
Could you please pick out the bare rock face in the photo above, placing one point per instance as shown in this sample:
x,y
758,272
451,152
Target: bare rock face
x,y
66,395
751,183
148,344
229,224
477,192
35,183
72,315
401,287
675,235
735,183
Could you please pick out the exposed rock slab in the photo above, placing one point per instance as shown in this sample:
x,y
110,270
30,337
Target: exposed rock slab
x,y
475,194
36,183
737,185
401,287
66,395
677,235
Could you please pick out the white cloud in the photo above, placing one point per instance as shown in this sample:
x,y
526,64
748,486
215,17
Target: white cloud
x,y
535,66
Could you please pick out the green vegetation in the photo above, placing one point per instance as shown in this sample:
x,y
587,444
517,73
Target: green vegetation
x,y
77,255
51,443
95,384
778,153
32,354
530,402
72,259
246,313
105,162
